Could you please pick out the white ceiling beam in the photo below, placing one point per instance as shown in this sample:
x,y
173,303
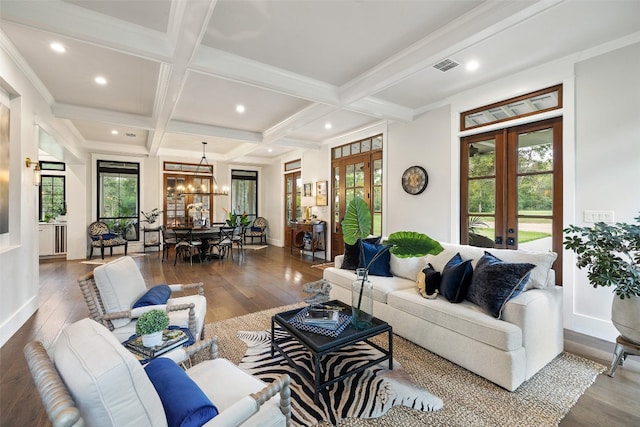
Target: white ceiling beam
x,y
376,107
190,29
75,112
188,128
295,121
76,22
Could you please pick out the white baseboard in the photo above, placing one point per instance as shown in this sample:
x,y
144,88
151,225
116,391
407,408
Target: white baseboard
x,y
15,322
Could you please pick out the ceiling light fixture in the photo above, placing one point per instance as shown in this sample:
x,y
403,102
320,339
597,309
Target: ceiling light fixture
x,y
472,65
58,47
208,169
270,150
240,108
100,80
328,125
114,132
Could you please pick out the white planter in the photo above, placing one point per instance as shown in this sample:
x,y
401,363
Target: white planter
x,y
61,218
152,340
625,315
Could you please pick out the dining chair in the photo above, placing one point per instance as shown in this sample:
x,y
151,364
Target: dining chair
x,y
226,239
186,245
169,241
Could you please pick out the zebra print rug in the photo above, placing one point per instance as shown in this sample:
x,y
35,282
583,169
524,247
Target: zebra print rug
x,y
469,400
368,394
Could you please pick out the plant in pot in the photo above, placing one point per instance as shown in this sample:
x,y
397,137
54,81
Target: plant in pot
x,y
61,212
150,326
235,219
356,226
611,255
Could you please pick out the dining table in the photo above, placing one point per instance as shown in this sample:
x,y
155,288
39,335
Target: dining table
x,y
204,235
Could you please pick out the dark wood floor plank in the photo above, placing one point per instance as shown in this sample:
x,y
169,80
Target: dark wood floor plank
x,y
257,281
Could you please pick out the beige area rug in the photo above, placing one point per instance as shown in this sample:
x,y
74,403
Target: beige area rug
x,y
108,259
469,400
255,247
323,266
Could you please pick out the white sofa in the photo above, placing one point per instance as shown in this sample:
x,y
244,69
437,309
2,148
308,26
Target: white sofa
x,y
506,351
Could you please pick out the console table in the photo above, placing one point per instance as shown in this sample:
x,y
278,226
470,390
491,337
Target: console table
x,y
318,237
155,240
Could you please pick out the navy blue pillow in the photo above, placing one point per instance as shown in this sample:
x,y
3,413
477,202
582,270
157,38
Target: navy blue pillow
x,y
351,259
157,295
456,278
495,282
380,267
109,236
185,405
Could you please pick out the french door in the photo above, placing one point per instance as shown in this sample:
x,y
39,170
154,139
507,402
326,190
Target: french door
x,y
292,201
511,189
356,176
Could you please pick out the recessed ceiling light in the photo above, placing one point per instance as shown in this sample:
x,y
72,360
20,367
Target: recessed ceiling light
x,y
270,150
114,132
473,65
240,108
58,47
328,125
101,80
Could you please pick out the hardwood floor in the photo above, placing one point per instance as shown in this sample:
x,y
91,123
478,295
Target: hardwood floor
x,y
259,280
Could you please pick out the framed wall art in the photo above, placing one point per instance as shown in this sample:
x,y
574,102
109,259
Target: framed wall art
x,y
306,192
321,193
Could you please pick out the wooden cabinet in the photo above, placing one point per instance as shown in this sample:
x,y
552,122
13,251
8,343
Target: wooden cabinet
x,y
52,239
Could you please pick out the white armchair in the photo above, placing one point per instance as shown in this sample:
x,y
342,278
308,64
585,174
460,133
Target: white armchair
x,y
91,379
111,290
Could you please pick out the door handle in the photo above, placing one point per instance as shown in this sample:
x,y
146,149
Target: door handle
x,y
511,241
511,231
498,240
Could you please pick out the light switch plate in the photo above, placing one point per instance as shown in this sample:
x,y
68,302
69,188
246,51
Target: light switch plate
x,y
598,216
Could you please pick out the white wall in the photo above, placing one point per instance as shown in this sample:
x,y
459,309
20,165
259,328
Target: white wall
x,y
607,169
424,142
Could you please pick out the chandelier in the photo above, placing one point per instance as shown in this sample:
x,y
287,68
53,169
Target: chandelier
x,y
202,191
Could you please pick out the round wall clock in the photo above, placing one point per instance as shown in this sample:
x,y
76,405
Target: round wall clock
x,y
415,180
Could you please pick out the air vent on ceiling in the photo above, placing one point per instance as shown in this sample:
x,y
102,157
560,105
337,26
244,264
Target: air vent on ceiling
x,y
446,64
130,135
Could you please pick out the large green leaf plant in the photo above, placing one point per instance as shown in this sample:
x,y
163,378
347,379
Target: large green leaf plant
x,y
356,226
610,253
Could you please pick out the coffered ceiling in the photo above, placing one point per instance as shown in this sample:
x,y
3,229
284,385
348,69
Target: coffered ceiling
x,y
305,71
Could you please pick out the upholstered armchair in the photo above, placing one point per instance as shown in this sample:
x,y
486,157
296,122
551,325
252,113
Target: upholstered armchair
x,y
257,230
112,290
91,379
101,237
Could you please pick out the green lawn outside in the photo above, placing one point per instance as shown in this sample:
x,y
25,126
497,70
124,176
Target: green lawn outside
x,y
523,236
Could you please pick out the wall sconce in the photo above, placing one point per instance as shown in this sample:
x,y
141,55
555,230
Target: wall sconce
x,y
37,177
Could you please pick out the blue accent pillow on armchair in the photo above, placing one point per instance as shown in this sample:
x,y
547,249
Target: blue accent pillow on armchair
x,y
157,295
185,404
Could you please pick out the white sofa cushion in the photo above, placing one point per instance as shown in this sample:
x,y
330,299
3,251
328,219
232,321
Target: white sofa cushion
x,y
541,276
221,381
107,382
382,286
407,268
464,318
120,284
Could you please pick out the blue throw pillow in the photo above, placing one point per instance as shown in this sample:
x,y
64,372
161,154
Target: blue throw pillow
x,y
109,236
380,267
157,295
495,282
185,405
456,278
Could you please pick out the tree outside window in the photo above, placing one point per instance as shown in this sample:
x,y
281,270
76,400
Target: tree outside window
x,y
119,197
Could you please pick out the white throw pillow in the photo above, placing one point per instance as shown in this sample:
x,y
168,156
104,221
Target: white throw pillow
x,y
407,268
108,384
120,284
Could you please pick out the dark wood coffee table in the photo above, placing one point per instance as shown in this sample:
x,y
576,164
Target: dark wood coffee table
x,y
320,345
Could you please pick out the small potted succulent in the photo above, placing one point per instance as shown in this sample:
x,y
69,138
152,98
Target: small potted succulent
x,y
150,326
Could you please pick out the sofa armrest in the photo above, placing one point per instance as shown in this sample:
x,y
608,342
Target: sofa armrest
x,y
337,261
538,313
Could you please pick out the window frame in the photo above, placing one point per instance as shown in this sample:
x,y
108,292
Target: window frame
x,y
41,213
104,167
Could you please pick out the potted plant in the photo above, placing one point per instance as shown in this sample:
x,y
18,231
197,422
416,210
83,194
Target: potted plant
x,y
151,217
611,255
150,326
234,219
356,226
61,212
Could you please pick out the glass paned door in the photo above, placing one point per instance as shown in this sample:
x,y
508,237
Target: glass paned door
x,y
511,189
292,200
